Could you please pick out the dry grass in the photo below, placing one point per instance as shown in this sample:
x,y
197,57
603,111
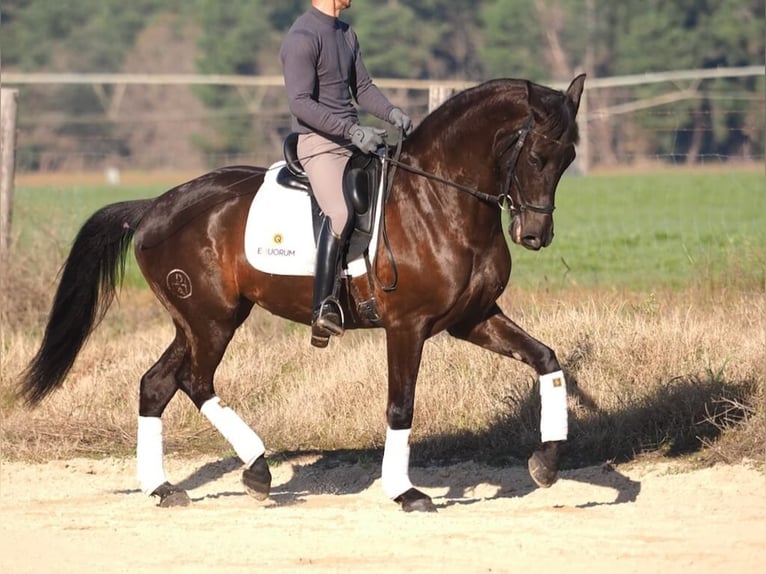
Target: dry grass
x,y
670,373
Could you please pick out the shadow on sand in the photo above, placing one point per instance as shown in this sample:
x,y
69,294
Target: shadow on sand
x,y
674,420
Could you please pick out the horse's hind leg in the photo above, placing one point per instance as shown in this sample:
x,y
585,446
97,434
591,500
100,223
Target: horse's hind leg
x,y
158,386
207,352
190,367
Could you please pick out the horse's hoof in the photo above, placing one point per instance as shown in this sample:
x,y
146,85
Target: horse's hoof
x,y
415,501
542,474
170,496
257,479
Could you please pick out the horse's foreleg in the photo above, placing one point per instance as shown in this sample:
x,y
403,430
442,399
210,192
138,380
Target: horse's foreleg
x,y
404,355
499,334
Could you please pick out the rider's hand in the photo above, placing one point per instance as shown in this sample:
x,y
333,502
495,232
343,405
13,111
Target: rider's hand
x,y
401,120
367,139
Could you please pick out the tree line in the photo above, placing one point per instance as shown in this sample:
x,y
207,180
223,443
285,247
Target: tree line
x,y
542,40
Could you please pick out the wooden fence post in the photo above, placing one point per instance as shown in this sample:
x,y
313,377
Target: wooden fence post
x,y
8,109
583,123
437,95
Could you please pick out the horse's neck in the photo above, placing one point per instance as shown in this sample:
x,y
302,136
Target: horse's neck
x,y
460,159
438,193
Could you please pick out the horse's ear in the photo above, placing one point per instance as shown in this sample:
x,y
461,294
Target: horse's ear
x,y
574,91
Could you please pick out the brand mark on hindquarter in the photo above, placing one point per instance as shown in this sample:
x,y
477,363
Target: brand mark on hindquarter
x,y
179,283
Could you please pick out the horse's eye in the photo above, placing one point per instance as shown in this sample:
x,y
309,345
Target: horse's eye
x,y
534,160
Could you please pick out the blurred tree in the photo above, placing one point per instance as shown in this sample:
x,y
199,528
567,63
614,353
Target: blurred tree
x,y
233,34
32,29
452,32
82,35
467,39
658,35
512,40
283,13
685,34
73,36
394,44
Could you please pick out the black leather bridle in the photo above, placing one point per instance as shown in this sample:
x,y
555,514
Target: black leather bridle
x,y
511,179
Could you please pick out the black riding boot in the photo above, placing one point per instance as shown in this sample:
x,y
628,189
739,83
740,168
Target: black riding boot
x,y
326,319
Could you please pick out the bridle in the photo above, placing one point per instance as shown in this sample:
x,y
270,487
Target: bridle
x,y
504,199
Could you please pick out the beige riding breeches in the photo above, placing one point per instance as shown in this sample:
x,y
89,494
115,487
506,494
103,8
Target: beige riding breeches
x,y
324,162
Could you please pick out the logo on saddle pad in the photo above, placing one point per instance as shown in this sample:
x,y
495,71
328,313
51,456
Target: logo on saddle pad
x,y
279,236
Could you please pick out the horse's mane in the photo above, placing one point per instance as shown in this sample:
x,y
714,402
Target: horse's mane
x,y
553,117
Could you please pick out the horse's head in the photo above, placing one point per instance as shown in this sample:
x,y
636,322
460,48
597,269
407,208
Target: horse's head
x,y
504,141
534,156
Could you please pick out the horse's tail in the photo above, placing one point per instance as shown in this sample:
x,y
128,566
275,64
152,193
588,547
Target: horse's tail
x,y
89,279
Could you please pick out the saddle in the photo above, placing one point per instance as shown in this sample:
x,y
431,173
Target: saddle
x,y
361,180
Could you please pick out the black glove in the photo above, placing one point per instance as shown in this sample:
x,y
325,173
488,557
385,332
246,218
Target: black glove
x,y
401,120
367,139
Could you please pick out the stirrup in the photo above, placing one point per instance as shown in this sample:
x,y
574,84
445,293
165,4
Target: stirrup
x,y
327,323
330,317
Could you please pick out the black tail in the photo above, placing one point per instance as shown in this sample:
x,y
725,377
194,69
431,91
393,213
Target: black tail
x,y
89,279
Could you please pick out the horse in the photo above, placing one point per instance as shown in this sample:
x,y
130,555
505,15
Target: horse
x,y
443,261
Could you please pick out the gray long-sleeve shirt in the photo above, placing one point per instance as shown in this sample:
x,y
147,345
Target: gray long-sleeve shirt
x,y
323,71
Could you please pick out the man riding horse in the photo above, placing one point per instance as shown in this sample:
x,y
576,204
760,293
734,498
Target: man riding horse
x,y
324,73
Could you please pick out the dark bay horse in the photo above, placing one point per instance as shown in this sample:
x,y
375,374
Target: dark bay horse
x,y
502,144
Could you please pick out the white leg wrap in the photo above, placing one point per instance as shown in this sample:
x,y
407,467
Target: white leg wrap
x,y
149,471
553,415
396,463
245,442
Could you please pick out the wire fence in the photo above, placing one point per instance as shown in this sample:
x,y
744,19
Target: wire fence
x,y
101,122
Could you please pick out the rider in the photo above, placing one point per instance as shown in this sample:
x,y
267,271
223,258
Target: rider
x,y
323,71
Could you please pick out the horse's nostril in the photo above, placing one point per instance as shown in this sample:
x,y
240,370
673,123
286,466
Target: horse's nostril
x,y
531,242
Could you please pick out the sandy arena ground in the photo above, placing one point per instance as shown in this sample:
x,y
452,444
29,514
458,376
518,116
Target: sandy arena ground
x,y
87,516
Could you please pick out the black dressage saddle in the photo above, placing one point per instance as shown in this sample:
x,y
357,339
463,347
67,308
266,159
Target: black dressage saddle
x,y
361,182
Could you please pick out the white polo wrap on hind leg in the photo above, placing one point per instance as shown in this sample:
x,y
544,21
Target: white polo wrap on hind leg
x,y
396,463
553,414
242,438
149,469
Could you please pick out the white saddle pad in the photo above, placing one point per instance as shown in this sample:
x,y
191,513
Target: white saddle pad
x,y
279,236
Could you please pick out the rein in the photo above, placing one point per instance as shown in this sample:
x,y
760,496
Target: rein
x,y
504,198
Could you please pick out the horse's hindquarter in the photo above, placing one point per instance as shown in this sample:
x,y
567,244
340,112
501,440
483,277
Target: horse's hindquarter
x,y
190,244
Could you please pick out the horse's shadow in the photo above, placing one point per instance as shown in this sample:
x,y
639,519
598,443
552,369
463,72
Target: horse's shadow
x,y
678,419
350,472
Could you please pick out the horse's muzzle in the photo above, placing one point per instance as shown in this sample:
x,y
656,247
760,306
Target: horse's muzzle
x,y
532,237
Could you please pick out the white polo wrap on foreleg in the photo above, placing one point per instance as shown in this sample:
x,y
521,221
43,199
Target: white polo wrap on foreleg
x,y
149,469
553,412
242,438
396,463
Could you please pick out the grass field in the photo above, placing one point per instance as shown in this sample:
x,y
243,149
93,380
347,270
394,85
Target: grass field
x,y
651,231
636,232
653,296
